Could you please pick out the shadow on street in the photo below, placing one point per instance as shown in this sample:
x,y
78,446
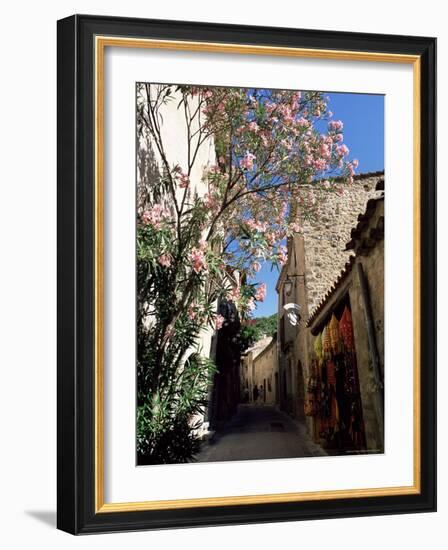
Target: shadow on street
x,y
259,432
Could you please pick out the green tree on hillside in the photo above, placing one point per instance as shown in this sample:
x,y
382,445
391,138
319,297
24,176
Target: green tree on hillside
x,y
254,329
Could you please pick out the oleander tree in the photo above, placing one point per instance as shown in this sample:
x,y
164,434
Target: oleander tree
x,y
192,239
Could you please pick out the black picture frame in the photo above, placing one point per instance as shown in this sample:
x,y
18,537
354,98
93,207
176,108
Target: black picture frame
x,y
76,286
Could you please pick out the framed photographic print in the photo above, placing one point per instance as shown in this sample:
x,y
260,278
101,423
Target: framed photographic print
x,y
246,274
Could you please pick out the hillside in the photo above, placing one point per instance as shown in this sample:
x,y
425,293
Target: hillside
x,y
254,329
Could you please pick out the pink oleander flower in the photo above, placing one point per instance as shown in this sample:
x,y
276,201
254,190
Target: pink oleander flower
x,y
146,218
335,125
343,150
207,109
288,116
221,106
284,210
355,163
192,313
265,138
320,164
260,295
184,180
154,216
234,294
256,226
324,150
165,260
282,255
219,321
255,266
302,122
339,137
247,162
253,126
197,259
295,227
296,99
270,238
308,160
211,202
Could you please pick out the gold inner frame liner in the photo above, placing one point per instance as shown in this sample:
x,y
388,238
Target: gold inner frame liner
x,y
101,42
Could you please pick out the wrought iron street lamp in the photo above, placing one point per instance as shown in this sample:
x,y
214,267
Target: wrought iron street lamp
x,y
288,281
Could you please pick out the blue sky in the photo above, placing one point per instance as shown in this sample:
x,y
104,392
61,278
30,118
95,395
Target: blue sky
x,y
363,118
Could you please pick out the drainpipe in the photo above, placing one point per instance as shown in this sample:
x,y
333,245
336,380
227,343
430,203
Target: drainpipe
x,y
379,393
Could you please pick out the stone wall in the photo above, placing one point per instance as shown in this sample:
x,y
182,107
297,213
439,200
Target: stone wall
x,y
370,257
265,367
373,266
149,169
326,236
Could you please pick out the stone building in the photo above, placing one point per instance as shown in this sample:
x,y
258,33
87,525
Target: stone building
x,y
358,293
259,368
326,236
290,288
316,257
265,369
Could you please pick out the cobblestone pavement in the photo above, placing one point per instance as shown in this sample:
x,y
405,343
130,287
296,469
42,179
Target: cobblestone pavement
x,y
259,432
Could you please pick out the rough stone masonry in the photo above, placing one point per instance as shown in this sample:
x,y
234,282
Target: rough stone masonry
x,y
326,235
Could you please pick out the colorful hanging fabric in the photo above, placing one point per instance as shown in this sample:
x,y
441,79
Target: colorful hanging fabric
x,y
326,342
318,346
314,368
346,329
331,375
333,329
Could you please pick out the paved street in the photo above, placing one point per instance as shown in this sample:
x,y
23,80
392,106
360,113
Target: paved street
x,y
259,432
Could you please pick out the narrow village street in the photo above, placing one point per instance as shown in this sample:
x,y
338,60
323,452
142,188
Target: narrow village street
x,y
259,432
269,342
